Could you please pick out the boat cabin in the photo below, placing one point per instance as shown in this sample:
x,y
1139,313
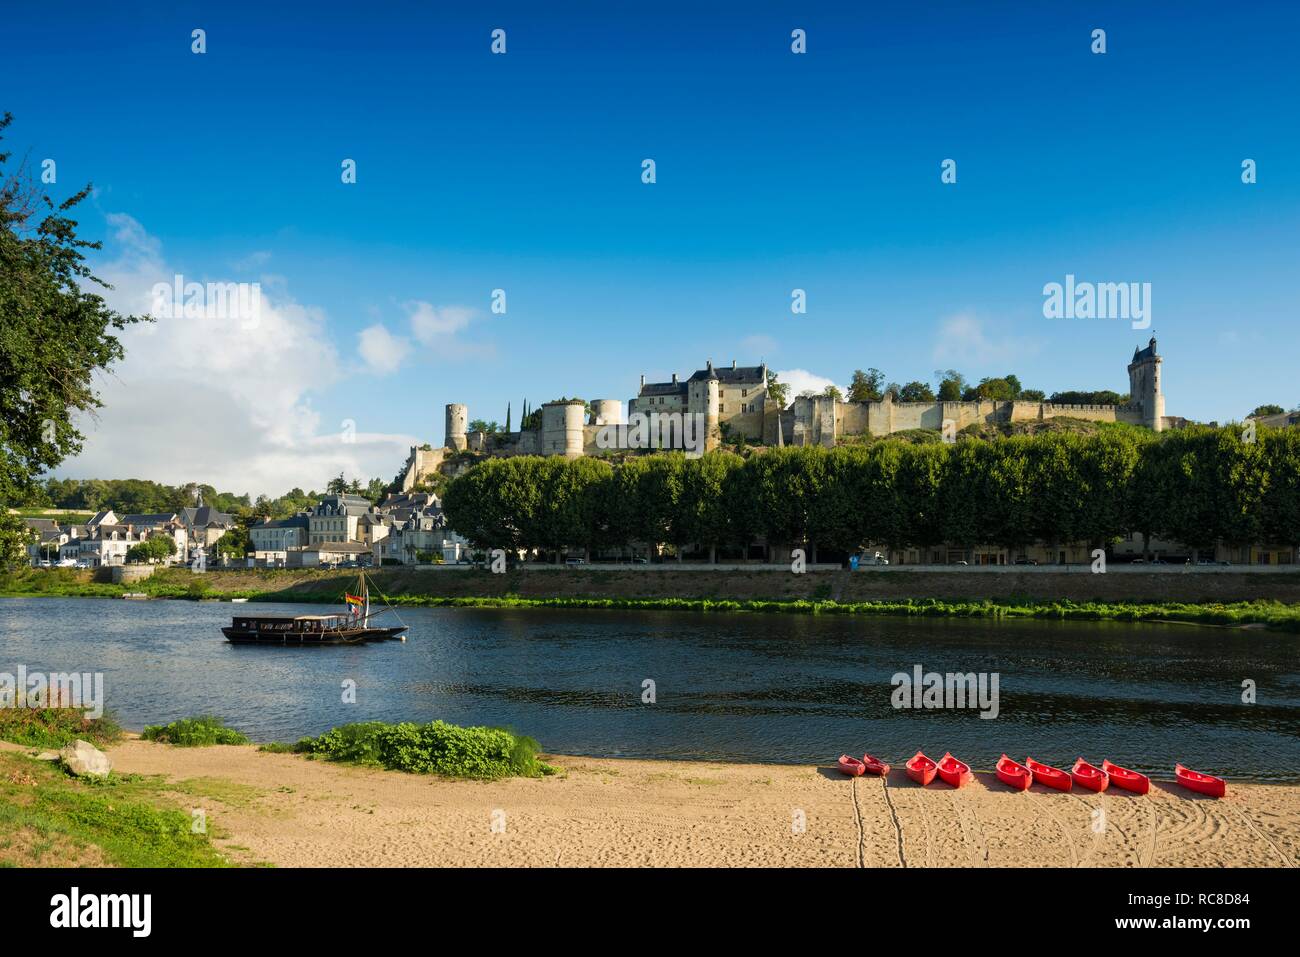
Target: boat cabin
x,y
301,624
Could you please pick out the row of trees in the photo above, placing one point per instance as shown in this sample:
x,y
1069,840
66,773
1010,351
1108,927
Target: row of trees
x,y
142,496
870,386
1197,486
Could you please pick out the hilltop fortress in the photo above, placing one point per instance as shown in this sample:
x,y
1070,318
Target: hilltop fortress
x,y
731,403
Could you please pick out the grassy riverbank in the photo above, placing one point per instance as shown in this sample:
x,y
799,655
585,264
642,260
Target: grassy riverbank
x,y
1226,600
50,819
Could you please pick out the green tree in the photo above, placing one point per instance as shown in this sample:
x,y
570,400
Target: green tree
x,y
866,386
55,336
704,516
951,385
914,392
155,548
779,392
1266,410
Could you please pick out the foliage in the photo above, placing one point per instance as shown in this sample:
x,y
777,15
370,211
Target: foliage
x,y
779,392
55,338
155,548
1097,397
866,386
194,732
56,727
123,821
1199,486
434,748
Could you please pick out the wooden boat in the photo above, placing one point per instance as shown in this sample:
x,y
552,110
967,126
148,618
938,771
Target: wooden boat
x,y
921,769
851,766
1201,783
1014,774
954,772
1048,776
1125,779
874,765
1087,776
347,628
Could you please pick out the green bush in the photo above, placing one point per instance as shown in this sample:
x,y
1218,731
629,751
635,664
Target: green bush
x,y
56,727
194,732
434,748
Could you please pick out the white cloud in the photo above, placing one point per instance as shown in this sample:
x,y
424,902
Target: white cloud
x,y
217,401
801,380
962,340
439,328
382,351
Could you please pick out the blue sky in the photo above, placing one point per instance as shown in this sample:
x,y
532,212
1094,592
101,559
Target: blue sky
x,y
775,171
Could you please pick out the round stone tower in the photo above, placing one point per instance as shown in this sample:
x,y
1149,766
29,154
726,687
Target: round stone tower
x,y
562,428
702,399
607,412
457,426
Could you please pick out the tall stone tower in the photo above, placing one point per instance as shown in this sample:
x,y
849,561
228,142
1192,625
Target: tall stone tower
x,y
702,392
562,428
1144,385
457,425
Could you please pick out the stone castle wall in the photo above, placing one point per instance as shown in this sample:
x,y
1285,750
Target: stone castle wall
x,y
812,420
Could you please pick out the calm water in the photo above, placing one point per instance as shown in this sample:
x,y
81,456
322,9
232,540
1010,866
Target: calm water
x,y
740,687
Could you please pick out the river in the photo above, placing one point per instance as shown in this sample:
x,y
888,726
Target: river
x,y
743,687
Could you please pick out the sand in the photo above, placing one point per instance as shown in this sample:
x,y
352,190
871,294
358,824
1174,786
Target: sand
x,y
290,811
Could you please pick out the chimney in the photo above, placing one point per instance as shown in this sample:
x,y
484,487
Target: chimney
x,y
643,380
733,363
710,365
674,378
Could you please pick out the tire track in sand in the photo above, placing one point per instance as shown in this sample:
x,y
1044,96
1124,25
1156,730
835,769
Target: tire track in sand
x,y
898,828
857,816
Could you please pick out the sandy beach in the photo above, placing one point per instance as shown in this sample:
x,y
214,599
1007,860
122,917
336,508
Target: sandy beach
x,y
288,811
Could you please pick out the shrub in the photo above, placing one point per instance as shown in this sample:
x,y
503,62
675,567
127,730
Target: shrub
x,y
434,748
194,732
56,727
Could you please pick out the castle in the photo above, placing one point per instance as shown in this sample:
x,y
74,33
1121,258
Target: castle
x,y
735,402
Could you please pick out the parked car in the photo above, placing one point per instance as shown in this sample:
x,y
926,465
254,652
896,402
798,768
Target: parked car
x,y
1025,561
961,561
875,559
575,561
45,563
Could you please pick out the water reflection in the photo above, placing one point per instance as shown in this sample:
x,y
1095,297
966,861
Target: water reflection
x,y
739,687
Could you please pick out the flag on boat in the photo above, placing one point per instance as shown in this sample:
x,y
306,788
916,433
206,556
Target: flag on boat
x,y
356,603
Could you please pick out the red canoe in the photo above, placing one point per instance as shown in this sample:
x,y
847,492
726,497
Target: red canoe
x,y
1126,779
1014,775
1203,783
954,772
851,766
1048,776
875,765
921,769
1087,776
